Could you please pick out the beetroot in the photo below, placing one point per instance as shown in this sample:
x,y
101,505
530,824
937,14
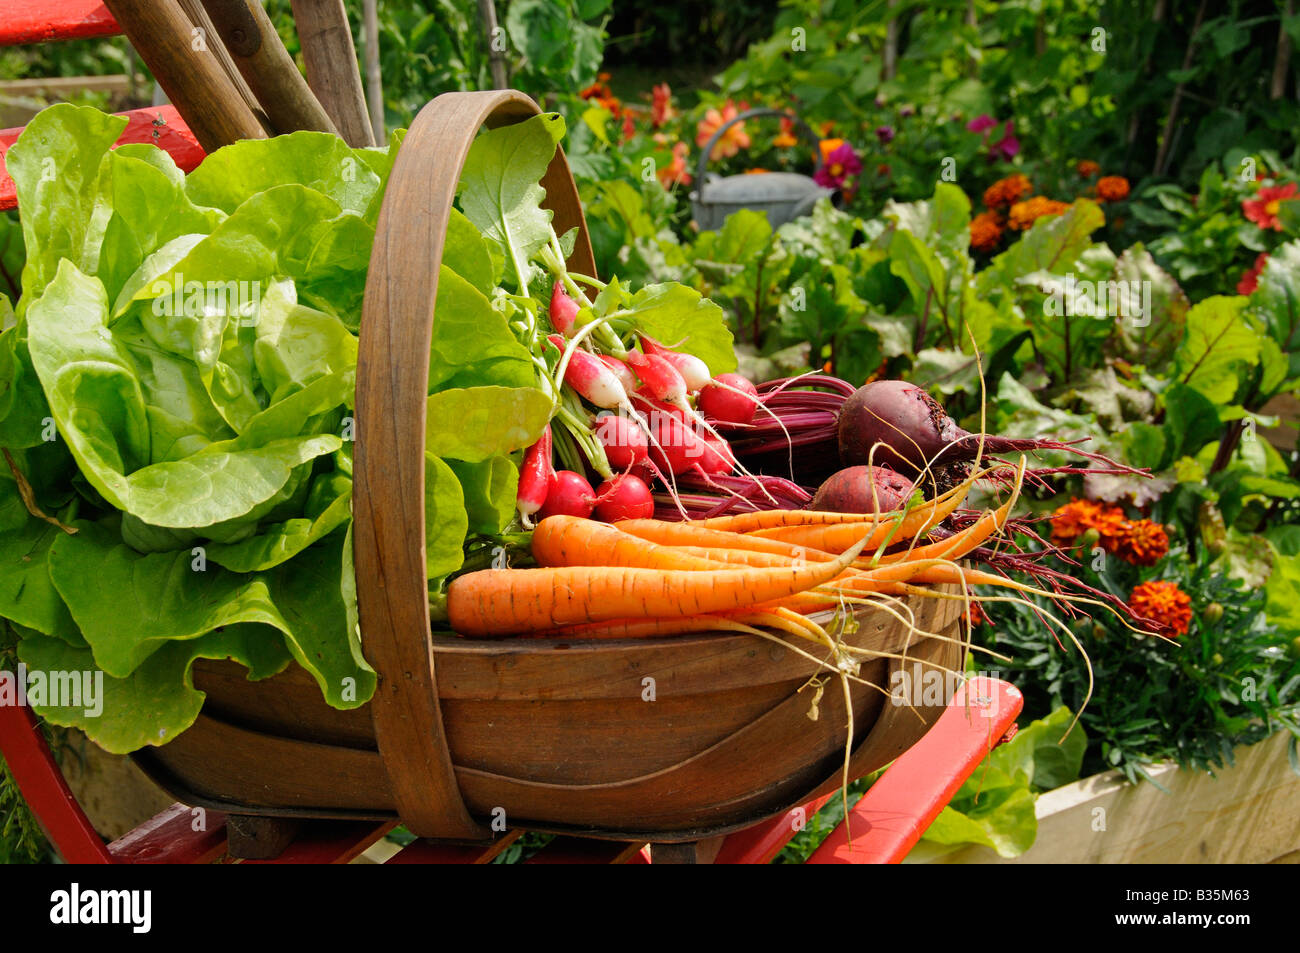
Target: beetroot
x,y
863,489
913,430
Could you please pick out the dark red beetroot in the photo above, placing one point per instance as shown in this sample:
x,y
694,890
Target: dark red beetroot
x,y
863,490
913,430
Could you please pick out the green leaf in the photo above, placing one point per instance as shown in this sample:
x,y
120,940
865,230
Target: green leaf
x,y
679,317
158,700
1154,342
472,342
489,488
1219,346
445,519
500,189
476,423
319,161
27,596
280,542
55,164
1277,301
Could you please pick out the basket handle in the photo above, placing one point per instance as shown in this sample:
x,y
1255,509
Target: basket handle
x,y
392,387
802,126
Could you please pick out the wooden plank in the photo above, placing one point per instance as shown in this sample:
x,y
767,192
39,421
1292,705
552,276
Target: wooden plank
x,y
58,87
171,838
27,22
173,135
1249,814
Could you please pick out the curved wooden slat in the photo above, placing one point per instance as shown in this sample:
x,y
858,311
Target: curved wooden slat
x,y
392,384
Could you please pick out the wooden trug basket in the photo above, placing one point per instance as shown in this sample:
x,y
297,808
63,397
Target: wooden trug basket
x,y
561,736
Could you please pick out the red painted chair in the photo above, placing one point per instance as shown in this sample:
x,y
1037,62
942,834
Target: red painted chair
x,y
25,22
884,825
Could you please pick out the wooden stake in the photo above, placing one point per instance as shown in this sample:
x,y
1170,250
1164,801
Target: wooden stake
x,y
374,83
332,72
266,66
213,108
496,58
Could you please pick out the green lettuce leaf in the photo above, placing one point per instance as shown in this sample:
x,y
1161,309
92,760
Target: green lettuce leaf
x,y
157,701
476,423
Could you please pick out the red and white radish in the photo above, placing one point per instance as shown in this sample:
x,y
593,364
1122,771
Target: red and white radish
x,y
624,442
564,310
570,496
729,398
625,497
694,372
536,477
661,380
589,376
621,371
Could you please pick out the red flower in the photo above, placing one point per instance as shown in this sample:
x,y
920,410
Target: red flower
x,y
675,172
1263,208
1250,279
661,106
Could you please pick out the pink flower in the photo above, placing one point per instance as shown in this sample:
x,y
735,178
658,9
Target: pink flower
x,y
732,141
1008,145
981,123
839,164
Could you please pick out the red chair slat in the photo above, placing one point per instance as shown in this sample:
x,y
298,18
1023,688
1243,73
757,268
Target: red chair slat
x,y
891,817
584,850
331,842
170,838
45,790
173,135
39,21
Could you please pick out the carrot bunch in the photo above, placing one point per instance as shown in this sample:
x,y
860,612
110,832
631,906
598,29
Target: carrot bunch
x,y
645,578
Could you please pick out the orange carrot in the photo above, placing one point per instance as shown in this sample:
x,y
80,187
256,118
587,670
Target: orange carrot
x,y
503,601
575,541
689,534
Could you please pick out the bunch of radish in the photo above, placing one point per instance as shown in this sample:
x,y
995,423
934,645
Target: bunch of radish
x,y
648,416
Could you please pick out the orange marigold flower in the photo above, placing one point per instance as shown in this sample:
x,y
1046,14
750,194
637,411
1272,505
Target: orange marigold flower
x,y
1024,214
985,231
675,172
1087,168
786,139
1141,542
732,141
976,616
1163,603
1263,208
1006,191
1112,188
1075,518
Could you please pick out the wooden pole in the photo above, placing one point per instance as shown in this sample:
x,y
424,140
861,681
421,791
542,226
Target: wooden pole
x,y
1282,61
201,21
332,72
890,66
374,83
1165,154
194,82
266,66
496,57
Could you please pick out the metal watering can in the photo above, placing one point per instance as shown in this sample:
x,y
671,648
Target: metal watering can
x,y
783,196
